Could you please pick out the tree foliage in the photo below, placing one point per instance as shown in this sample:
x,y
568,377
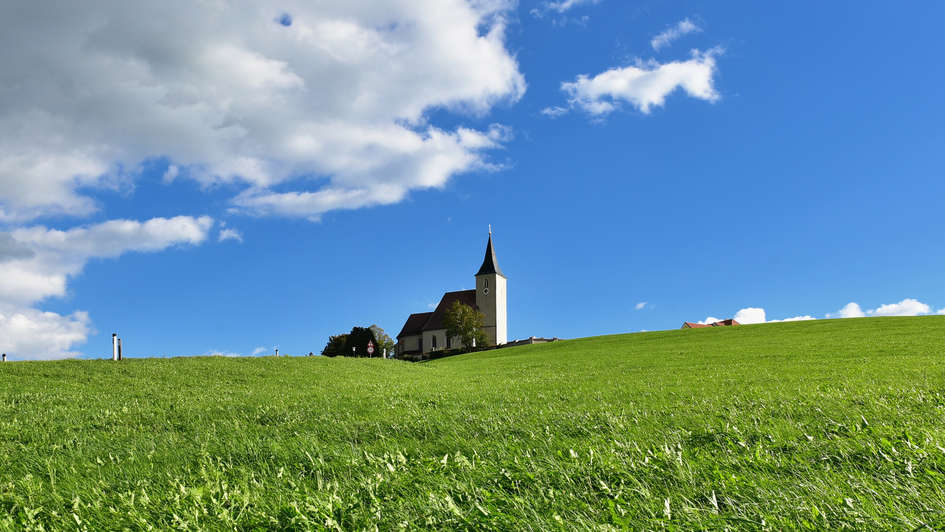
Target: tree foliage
x,y
335,346
383,341
357,342
465,322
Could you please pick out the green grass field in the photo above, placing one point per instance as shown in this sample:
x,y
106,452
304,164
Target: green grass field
x,y
824,424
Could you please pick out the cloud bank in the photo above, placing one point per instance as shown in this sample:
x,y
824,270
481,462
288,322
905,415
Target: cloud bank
x,y
328,101
906,307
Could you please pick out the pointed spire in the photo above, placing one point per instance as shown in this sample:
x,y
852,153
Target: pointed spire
x,y
489,264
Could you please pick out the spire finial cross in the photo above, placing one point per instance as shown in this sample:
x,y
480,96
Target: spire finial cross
x,y
490,229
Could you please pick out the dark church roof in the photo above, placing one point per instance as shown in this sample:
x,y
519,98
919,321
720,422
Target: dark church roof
x,y
431,321
466,297
415,324
489,264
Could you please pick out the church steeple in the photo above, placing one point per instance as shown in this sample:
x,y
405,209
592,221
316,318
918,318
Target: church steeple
x,y
489,264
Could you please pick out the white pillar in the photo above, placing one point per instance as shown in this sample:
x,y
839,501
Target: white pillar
x,y
114,346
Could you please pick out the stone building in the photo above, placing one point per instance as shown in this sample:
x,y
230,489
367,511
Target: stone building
x,y
425,332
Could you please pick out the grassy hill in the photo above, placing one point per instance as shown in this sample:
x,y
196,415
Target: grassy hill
x,y
824,424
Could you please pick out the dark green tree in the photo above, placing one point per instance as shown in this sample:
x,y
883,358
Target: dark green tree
x,y
335,346
357,342
465,322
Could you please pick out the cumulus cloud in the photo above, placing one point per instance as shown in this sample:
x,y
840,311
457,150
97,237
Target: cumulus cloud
x,y
31,334
750,315
670,34
754,315
330,100
906,307
850,310
53,257
645,84
11,249
640,305
260,350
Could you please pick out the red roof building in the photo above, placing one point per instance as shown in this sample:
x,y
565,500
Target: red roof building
x,y
724,323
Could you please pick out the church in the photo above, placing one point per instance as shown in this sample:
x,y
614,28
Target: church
x,y
425,332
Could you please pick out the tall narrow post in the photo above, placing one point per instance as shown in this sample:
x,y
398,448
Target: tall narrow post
x,y
4,358
114,346
119,349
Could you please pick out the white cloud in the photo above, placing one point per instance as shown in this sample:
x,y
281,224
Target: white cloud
x,y
171,174
795,318
850,310
333,107
260,350
228,233
754,315
672,33
559,7
644,85
53,257
906,307
640,305
57,254
940,311
555,111
31,334
750,315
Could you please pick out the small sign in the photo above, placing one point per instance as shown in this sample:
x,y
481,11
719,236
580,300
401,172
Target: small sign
x,y
370,348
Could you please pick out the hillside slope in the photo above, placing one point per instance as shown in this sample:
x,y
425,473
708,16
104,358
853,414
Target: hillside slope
x,y
822,424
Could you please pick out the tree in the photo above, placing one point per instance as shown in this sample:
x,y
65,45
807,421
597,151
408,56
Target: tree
x,y
383,341
357,342
335,346
465,322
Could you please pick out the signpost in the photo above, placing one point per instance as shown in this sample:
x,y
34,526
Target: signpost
x,y
370,348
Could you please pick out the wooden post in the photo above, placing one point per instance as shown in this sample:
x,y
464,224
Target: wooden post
x,y
119,349
4,358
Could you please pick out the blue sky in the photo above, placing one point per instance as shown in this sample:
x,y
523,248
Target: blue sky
x,y
785,158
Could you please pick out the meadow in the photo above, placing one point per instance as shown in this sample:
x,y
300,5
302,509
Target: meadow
x,y
812,425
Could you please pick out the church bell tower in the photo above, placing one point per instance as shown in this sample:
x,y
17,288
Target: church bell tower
x,y
490,297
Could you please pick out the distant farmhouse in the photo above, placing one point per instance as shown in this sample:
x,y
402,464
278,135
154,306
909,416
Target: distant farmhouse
x,y
425,332
723,323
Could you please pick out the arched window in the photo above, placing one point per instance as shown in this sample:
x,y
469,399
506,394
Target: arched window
x,y
485,283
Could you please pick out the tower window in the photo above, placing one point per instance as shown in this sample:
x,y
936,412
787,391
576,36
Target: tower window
x,y
485,283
